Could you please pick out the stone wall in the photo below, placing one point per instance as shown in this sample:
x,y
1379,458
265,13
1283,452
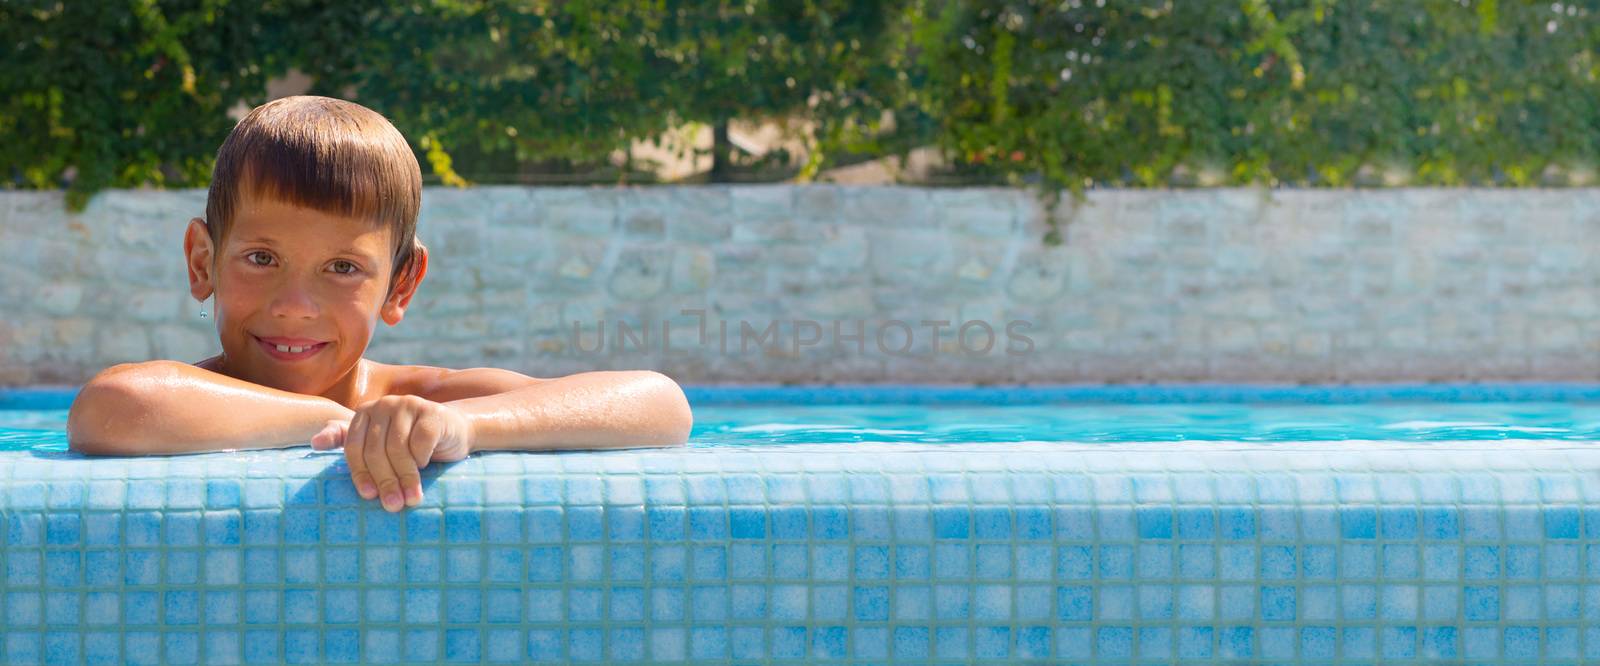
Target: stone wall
x,y
1201,285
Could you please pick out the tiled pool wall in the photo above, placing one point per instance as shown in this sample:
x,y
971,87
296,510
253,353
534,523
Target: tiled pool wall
x,y
1200,285
1315,553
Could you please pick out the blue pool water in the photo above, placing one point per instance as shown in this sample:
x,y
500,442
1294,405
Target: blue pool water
x,y
718,425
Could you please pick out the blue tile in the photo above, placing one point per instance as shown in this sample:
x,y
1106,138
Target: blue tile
x,y
872,562
1114,642
1440,523
61,608
1155,602
1522,642
462,606
787,643
143,647
341,606
463,565
103,648
950,642
830,562
625,523
102,529
828,642
1522,562
383,646
1156,642
710,603
382,527
1398,522
300,565
182,607
142,567
1194,561
60,647
871,603
463,526
342,527
667,563
1561,522
222,607
626,604
300,607
911,643
710,563
993,560
1194,642
1075,602
261,529
383,605
585,604
1116,561
1277,603
502,606
790,561
991,522
422,605
341,646
504,565
871,642
830,522
380,565
340,565
1155,522
747,561
950,522
1358,522
708,523
1236,523
666,604
143,529
1235,642
667,523
708,643
423,525
61,569
544,605
301,526
63,529
1400,561
1075,563
747,522
223,648
787,602
261,646
1399,642
748,602
1359,602
1277,562
1237,602
422,645
952,561
545,563
422,566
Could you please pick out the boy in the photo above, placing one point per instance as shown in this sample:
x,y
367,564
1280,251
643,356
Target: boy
x,y
309,239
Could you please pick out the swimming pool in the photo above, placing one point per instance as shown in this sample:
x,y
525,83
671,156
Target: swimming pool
x,y
1090,525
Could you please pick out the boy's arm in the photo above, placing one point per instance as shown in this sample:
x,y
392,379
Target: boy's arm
x,y
600,409
174,407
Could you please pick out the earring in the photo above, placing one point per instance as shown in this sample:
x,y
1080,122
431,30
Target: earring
x,y
203,308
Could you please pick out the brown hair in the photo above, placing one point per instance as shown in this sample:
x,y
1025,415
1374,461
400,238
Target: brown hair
x,y
321,153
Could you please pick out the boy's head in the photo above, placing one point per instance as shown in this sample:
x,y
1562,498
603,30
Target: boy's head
x,y
309,238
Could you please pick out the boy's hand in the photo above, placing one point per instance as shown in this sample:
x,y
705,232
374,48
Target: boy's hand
x,y
390,439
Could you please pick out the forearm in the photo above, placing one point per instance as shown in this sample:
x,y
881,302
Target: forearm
x,y
590,410
172,407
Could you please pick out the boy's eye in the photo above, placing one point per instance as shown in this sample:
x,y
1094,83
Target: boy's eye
x,y
264,258
343,267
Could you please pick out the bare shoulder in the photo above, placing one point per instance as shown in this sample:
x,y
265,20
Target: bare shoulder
x,y
445,384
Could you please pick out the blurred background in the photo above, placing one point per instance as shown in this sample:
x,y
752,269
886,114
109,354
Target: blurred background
x,y
1304,190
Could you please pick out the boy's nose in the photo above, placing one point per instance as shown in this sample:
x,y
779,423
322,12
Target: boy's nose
x,y
294,302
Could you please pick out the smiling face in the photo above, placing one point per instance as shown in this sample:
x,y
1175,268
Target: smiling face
x,y
298,293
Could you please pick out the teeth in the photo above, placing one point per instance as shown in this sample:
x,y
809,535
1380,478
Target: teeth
x,y
291,350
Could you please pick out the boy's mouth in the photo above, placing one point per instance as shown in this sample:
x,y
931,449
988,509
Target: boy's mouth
x,y
289,349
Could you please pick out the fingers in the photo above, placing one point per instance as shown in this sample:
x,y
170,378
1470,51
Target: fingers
x,y
377,457
398,449
355,457
331,436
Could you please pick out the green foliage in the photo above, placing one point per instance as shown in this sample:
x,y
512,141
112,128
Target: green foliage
x,y
1064,94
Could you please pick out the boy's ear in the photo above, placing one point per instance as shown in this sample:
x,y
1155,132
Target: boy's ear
x,y
197,252
405,285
